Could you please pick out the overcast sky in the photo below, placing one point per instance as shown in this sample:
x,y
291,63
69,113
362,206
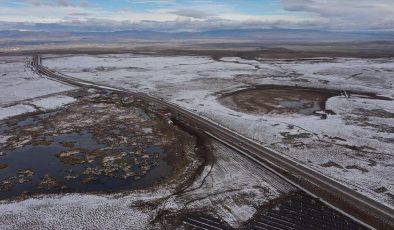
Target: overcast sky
x,y
197,15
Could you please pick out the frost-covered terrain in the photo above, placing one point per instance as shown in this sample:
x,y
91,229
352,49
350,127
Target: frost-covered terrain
x,y
354,146
21,87
18,82
231,189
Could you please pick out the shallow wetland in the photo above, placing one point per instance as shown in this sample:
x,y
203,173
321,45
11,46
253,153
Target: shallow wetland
x,y
103,142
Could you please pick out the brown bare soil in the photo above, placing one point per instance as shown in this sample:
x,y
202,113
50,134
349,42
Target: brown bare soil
x,y
248,50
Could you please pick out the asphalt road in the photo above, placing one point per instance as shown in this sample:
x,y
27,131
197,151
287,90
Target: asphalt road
x,y
315,183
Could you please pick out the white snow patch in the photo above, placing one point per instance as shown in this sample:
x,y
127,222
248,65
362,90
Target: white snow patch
x,y
18,82
3,139
15,110
53,102
147,130
72,212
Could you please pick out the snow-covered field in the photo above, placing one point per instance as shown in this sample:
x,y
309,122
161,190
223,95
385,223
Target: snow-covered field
x,y
34,105
21,87
232,188
18,82
354,146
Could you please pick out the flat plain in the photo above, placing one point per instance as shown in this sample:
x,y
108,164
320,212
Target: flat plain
x,y
124,161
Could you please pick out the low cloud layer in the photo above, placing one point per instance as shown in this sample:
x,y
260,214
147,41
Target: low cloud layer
x,y
347,14
192,13
63,3
85,15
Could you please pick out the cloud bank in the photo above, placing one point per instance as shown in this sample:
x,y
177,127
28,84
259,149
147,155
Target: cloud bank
x,y
174,15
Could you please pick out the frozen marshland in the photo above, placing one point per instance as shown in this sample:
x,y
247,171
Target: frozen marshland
x,y
354,145
230,187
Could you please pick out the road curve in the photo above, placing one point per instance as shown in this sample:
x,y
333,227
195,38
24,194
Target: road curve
x,y
296,173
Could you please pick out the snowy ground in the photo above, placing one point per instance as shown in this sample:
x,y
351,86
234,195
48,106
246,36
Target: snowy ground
x,y
354,146
34,105
18,82
23,91
231,189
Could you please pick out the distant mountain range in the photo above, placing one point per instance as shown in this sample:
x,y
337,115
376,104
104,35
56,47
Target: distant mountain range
x,y
17,37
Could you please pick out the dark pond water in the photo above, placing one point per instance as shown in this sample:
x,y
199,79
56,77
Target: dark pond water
x,y
43,159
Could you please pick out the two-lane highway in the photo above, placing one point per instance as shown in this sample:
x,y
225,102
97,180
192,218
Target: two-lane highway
x,y
307,179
